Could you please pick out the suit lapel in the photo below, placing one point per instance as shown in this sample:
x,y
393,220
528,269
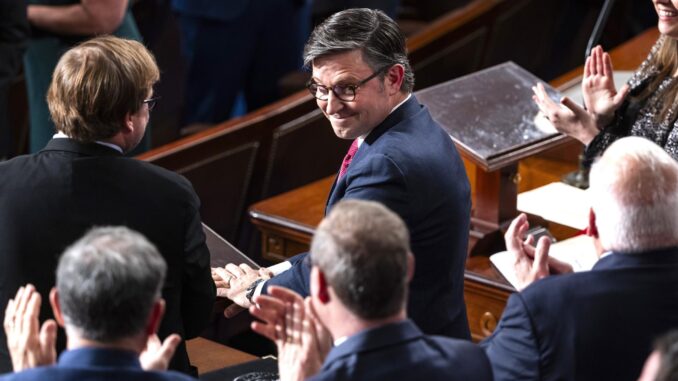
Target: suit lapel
x,y
404,112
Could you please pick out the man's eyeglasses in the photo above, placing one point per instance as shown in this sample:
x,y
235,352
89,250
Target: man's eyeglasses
x,y
344,92
151,102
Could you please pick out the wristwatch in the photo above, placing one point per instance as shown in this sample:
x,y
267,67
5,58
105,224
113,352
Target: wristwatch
x,y
250,290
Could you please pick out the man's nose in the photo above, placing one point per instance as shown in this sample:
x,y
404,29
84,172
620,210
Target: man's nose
x,y
334,104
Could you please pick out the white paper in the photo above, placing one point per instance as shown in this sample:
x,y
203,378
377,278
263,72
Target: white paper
x,y
559,203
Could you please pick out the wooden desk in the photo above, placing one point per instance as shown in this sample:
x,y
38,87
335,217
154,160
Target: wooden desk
x,y
287,221
208,355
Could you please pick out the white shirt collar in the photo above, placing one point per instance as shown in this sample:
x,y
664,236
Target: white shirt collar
x,y
61,135
361,139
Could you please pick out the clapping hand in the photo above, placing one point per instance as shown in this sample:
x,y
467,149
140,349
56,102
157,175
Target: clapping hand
x,y
290,321
157,355
29,344
531,263
601,98
567,117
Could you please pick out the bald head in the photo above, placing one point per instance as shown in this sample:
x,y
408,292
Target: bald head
x,y
634,190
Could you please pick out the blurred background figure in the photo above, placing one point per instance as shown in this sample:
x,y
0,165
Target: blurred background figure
x,y
13,34
238,46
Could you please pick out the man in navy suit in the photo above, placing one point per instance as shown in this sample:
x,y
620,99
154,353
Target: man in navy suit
x,y
599,324
400,157
107,296
361,266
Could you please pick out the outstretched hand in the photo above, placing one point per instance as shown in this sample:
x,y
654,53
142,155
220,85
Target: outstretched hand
x,y
567,117
29,344
290,321
601,98
232,282
531,263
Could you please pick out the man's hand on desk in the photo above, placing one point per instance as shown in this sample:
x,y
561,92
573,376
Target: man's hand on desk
x,y
531,263
236,283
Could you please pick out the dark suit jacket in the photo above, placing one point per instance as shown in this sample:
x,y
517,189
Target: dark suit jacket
x,y
595,325
50,199
410,164
400,351
89,364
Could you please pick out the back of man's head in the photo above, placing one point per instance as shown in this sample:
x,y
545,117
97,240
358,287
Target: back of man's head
x,y
368,30
108,282
362,249
97,83
634,192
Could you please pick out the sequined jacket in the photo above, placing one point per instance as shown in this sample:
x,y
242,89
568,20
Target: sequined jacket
x,y
637,118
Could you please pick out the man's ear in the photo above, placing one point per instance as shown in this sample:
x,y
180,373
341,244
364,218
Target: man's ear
x,y
592,231
394,78
128,124
410,267
155,317
319,285
56,307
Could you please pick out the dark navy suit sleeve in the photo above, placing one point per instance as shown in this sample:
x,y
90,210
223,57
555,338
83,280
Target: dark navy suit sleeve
x,y
296,278
512,348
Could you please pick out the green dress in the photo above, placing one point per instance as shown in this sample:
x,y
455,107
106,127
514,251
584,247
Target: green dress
x,y
42,55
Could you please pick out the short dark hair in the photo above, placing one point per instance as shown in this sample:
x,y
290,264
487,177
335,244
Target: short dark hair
x,y
362,248
376,35
667,346
108,281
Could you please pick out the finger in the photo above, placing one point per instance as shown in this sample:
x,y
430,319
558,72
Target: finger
x,y
19,317
245,268
607,65
232,311
597,64
169,346
31,323
541,258
289,322
234,270
621,94
573,106
222,273
587,67
48,335
266,330
8,322
512,236
297,320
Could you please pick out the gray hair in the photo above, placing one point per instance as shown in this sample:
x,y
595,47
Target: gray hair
x,y
107,282
362,249
634,191
371,31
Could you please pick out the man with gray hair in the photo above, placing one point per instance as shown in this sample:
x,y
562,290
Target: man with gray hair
x,y
361,264
400,157
107,297
599,324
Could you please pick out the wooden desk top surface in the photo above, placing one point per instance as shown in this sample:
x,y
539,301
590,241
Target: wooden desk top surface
x,y
208,355
302,209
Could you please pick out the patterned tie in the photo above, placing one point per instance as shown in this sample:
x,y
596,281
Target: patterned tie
x,y
347,159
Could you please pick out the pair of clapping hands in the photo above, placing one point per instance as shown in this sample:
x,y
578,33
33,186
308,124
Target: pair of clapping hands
x,y
31,345
532,262
601,100
234,282
292,324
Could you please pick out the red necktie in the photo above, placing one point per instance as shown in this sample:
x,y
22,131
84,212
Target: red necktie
x,y
347,159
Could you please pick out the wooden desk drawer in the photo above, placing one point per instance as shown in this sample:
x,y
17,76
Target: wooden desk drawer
x,y
484,306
